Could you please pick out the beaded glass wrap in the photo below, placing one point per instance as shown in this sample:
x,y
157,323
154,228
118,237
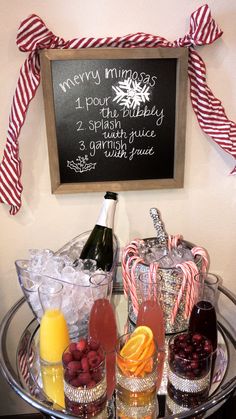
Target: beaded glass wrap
x,y
189,386
174,407
137,384
137,411
85,395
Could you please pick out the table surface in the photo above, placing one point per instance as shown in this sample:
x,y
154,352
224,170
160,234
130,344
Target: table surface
x,y
13,406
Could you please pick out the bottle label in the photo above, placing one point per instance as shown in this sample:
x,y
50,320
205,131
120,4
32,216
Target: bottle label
x,y
106,216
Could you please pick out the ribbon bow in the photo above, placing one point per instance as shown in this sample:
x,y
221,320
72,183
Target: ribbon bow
x,y
33,35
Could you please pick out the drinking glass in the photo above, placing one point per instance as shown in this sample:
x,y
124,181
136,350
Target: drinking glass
x,y
102,323
189,372
203,316
136,379
52,380
85,378
53,332
125,411
151,314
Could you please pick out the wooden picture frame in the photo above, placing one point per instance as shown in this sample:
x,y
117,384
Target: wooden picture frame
x,y
152,69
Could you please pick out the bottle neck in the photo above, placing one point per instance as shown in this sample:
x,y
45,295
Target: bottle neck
x,y
106,216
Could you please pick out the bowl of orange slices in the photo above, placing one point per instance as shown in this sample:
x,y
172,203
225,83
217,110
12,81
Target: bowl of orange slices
x,y
136,360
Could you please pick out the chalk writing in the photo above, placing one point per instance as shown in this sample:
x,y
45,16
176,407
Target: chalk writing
x,y
121,119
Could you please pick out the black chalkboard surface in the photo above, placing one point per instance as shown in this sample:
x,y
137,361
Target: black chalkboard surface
x,y
115,118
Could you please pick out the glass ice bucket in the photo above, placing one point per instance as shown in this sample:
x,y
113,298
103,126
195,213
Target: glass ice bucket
x,y
77,299
171,282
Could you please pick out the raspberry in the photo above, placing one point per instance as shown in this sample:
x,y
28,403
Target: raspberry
x,y
85,364
77,355
81,345
92,354
67,357
74,366
72,346
84,378
92,384
93,345
94,361
75,382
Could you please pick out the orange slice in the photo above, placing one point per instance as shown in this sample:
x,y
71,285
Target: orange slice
x,y
147,365
134,347
144,330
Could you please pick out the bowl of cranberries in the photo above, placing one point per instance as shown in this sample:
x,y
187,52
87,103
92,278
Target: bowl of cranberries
x,y
84,377
190,355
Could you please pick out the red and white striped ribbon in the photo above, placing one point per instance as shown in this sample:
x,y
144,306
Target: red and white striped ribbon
x,y
33,35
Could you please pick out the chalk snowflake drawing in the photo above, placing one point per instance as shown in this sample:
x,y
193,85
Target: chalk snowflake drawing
x,y
130,93
82,164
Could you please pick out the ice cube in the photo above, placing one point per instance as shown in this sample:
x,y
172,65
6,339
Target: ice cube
x,y
68,274
166,262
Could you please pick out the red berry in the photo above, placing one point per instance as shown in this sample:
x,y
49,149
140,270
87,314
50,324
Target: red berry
x,y
92,384
194,365
94,361
72,346
93,345
84,378
74,366
75,382
81,345
197,337
77,355
67,357
85,364
92,354
97,376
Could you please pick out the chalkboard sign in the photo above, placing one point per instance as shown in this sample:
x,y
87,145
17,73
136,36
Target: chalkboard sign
x,y
115,118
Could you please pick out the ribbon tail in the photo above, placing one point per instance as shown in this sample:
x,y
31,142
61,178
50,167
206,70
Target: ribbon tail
x,y
208,109
10,167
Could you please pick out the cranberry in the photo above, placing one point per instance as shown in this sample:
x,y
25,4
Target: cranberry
x,y
188,349
197,337
194,365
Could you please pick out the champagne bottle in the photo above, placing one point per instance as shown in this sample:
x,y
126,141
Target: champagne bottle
x,y
99,245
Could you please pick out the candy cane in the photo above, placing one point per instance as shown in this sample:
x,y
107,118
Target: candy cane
x,y
190,288
173,241
185,271
128,252
128,273
203,253
133,289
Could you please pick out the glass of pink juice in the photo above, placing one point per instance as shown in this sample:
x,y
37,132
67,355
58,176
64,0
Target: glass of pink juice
x,y
151,314
102,323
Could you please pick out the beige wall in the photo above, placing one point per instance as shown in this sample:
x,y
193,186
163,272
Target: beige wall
x,y
204,211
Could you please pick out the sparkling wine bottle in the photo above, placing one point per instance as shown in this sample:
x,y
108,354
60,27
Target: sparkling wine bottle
x,y
99,245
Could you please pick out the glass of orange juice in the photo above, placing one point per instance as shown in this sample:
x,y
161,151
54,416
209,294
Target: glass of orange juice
x,y
53,333
136,368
